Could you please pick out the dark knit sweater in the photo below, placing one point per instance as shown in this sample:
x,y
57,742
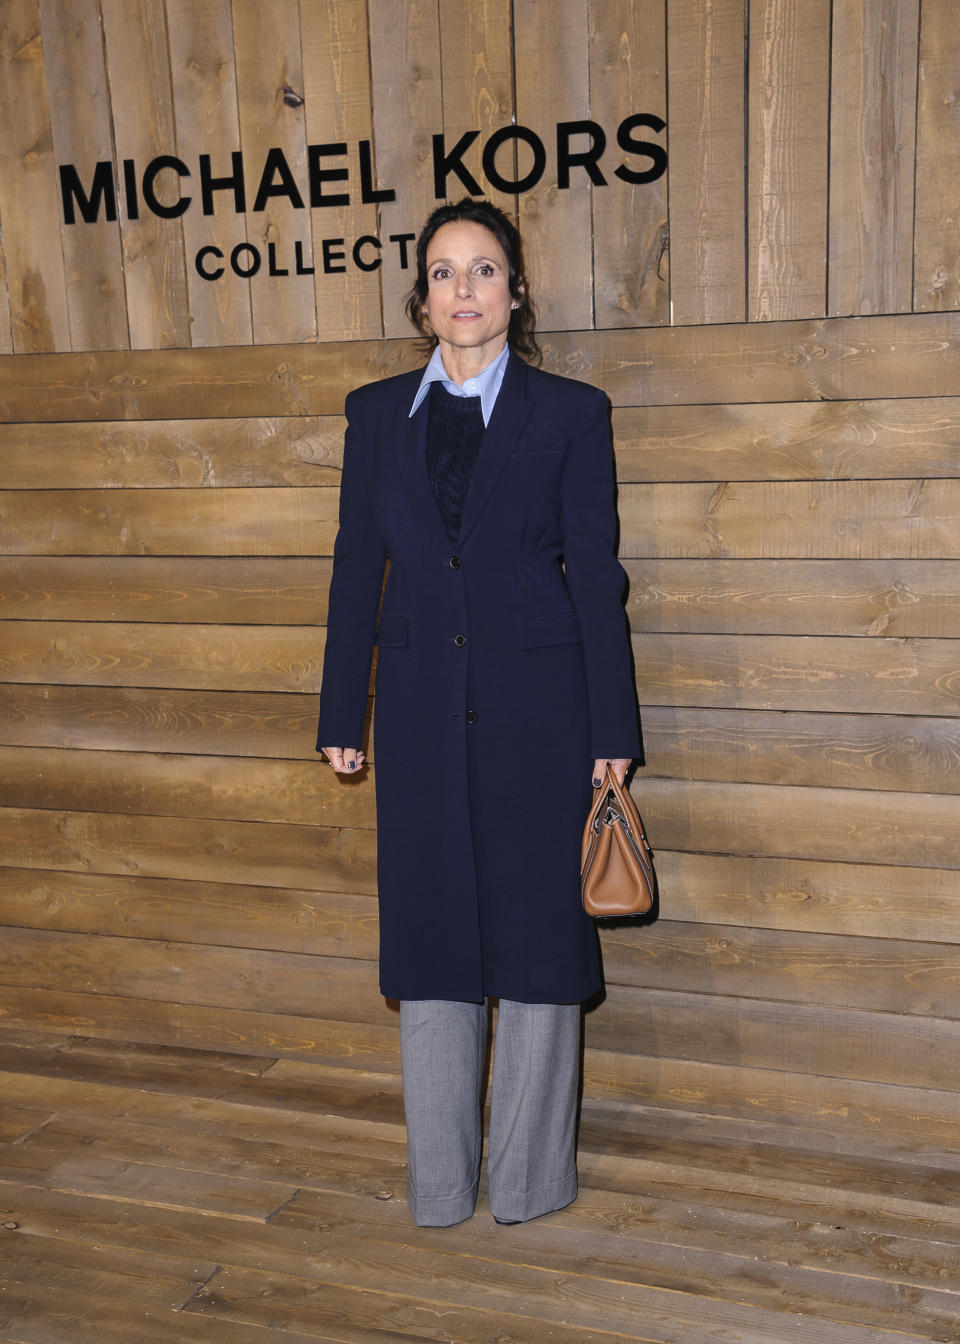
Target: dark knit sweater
x,y
454,430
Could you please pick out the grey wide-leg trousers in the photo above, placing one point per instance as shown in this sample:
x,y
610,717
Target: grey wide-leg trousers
x,y
531,1161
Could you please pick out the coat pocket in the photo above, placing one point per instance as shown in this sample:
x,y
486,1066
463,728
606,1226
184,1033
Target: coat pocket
x,y
536,631
392,632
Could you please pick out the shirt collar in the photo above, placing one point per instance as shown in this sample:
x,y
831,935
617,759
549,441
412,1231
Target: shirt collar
x,y
486,385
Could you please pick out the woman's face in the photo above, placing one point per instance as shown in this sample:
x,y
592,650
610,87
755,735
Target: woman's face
x,y
468,291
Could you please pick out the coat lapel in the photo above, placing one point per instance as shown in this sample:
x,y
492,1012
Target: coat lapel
x,y
410,441
510,415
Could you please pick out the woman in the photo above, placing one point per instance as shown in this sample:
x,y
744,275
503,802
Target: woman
x,y
504,687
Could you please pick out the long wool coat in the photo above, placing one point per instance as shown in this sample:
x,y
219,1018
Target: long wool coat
x,y
503,669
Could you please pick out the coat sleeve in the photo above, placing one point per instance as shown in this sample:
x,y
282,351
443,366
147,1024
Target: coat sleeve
x,y
359,556
597,583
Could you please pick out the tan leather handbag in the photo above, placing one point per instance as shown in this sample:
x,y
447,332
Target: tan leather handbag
x,y
616,870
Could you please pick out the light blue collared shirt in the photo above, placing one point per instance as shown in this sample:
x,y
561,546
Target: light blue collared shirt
x,y
486,385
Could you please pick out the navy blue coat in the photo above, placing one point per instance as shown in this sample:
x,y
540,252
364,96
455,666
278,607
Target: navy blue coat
x,y
503,669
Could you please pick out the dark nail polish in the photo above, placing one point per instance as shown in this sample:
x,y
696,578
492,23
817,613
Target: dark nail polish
x,y
596,782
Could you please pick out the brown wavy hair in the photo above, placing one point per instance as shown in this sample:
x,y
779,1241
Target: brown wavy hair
x,y
521,334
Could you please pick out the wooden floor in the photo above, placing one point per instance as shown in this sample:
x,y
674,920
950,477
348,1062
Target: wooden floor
x,y
150,1194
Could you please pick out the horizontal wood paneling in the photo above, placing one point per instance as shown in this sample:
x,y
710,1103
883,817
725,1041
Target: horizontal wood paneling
x,y
826,1041
269,450
844,1107
876,974
219,913
289,982
840,359
133,654
132,719
856,1044
849,825
185,786
185,589
753,597
849,675
823,519
820,519
832,440
297,791
899,752
264,854
337,1044
292,521
225,383
918,830
874,900
869,899
732,672
791,597
787,441
833,359
856,751
907,1116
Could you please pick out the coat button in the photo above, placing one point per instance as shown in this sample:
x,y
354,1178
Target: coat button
x,y
459,640
472,716
454,562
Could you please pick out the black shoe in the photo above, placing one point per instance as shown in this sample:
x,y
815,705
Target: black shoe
x,y
506,1222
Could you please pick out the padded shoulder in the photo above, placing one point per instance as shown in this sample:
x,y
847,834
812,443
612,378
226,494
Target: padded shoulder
x,y
385,391
576,398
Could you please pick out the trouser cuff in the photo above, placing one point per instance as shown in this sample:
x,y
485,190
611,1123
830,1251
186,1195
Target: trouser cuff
x,y
441,1210
522,1205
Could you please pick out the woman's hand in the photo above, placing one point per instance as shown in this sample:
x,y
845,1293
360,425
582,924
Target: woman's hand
x,y
618,766
345,760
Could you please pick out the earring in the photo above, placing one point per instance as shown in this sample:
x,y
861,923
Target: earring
x,y
514,306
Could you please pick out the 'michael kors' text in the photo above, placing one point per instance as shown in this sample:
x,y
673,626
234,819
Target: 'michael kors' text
x,y
514,160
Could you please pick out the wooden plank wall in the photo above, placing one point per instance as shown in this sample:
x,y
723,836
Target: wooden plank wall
x,y
774,322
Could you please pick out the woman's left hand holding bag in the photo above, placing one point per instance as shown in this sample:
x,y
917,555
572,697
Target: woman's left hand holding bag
x,y
617,765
